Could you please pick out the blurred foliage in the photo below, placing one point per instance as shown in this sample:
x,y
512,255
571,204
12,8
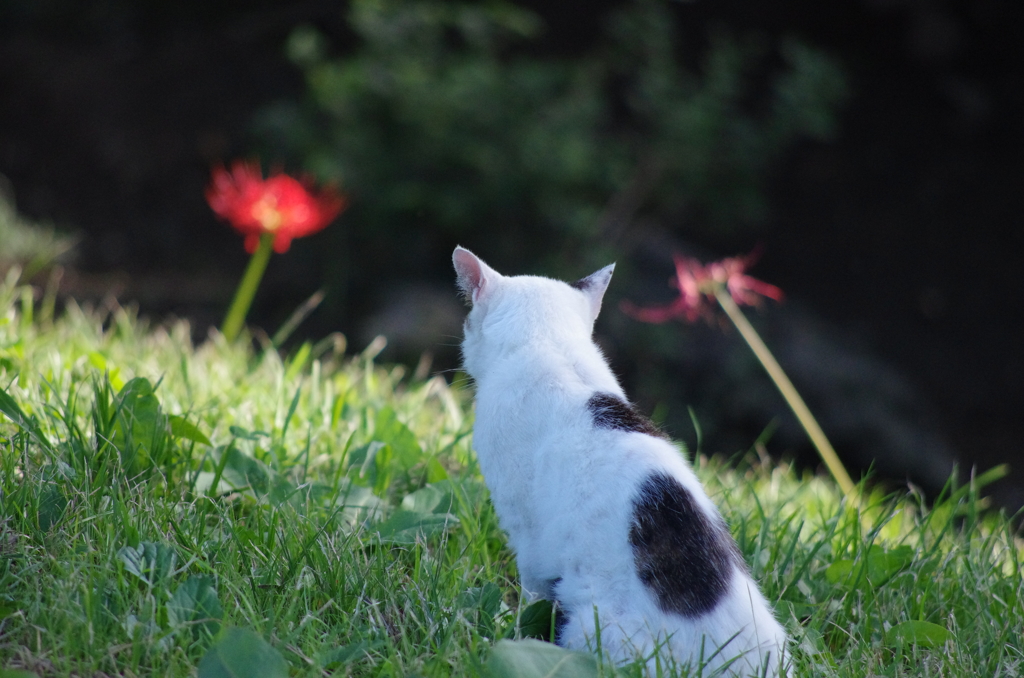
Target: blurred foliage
x,y
447,122
29,246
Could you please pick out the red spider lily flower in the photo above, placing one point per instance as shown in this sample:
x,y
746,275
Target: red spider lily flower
x,y
726,284
279,204
742,288
697,283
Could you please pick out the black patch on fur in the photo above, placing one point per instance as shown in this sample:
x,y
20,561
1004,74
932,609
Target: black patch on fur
x,y
582,284
558,611
683,556
612,412
549,588
561,621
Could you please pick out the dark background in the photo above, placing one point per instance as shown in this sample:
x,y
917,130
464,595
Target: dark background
x,y
904,234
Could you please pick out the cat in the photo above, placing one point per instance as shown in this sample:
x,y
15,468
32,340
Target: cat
x,y
604,514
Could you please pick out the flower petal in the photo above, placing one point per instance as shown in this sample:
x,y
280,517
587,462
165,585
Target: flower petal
x,y
282,243
252,241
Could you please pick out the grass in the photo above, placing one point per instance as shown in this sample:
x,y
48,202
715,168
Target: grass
x,y
28,246
170,509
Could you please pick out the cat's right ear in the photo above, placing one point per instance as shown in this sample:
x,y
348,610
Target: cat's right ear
x,y
475,278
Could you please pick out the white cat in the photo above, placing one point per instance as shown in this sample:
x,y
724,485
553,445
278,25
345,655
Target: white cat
x,y
604,514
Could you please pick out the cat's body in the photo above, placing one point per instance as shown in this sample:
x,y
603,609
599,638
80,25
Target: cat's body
x,y
601,511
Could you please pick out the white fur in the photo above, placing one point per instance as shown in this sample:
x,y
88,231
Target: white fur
x,y
564,489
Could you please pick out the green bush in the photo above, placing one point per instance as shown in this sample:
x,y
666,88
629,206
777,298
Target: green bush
x,y
448,122
24,245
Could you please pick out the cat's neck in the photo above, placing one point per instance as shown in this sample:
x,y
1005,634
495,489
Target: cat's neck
x,y
538,370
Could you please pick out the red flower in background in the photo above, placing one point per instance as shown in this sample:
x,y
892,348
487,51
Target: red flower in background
x,y
726,283
279,204
744,289
696,284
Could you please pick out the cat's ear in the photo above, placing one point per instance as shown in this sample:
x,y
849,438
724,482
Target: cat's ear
x,y
594,286
475,278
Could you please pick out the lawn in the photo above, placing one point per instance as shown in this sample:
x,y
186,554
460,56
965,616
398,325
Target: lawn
x,y
169,509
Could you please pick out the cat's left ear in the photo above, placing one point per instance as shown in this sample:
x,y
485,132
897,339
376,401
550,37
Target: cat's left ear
x,y
594,286
475,278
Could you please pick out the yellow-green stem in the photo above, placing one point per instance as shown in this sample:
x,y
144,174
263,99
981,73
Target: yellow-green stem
x,y
789,392
246,291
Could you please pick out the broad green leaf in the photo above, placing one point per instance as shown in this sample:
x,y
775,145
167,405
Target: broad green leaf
x,y
435,471
196,601
810,640
429,499
880,567
282,490
360,503
149,561
405,527
140,431
839,571
359,457
536,620
183,428
883,564
486,598
52,504
480,605
146,628
354,496
241,653
98,360
404,444
365,468
536,659
925,634
241,470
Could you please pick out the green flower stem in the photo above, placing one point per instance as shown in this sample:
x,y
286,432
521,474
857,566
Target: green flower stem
x,y
235,318
789,392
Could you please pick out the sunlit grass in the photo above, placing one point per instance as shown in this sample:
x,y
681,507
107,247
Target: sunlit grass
x,y
333,507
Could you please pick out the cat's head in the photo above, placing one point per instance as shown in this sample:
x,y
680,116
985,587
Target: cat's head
x,y
509,312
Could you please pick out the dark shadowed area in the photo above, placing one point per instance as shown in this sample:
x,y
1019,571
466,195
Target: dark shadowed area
x,y
898,240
